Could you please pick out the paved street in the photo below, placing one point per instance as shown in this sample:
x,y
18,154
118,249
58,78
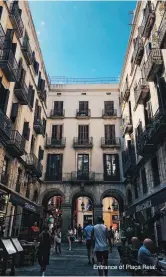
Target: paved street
x,y
72,263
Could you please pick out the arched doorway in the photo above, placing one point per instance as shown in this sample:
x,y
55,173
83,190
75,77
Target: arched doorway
x,y
82,211
111,212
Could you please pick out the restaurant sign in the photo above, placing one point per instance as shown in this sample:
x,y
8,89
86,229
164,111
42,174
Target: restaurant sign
x,y
30,207
144,206
19,201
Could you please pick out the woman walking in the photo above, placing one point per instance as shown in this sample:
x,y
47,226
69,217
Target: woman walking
x,y
70,236
44,249
57,241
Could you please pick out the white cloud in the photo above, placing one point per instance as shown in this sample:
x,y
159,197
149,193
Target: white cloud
x,y
42,23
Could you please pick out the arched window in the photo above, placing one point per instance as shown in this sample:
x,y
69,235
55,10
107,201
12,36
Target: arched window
x,y
129,197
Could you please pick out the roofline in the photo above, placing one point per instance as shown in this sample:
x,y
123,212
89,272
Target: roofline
x,y
130,39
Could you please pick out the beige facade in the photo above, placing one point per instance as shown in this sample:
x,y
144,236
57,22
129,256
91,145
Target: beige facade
x,y
142,88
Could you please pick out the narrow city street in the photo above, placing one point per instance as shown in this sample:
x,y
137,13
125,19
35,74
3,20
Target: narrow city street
x,y
72,263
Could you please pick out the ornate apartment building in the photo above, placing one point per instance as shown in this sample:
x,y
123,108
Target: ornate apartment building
x,y
83,144
143,102
23,94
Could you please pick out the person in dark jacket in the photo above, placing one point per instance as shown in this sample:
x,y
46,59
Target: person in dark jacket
x,y
44,249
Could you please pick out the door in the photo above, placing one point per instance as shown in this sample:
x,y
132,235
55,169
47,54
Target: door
x,y
109,107
83,134
83,107
58,108
54,167
109,134
56,134
111,167
83,167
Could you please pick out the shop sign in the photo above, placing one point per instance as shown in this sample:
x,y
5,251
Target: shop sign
x,y
30,207
144,206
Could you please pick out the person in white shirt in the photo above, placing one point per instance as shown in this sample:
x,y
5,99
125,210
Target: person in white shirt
x,y
57,241
70,235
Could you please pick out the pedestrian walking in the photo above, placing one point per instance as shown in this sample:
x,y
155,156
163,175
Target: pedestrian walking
x,y
117,235
57,241
112,236
88,238
70,236
44,249
101,237
79,230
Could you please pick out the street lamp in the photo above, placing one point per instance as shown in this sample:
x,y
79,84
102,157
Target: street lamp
x,y
82,206
115,206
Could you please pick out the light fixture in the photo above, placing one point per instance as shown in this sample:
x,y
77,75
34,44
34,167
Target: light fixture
x,y
82,206
109,208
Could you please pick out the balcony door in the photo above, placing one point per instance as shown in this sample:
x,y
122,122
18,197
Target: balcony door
x,y
56,133
109,134
54,167
83,134
83,166
109,107
111,167
58,108
83,107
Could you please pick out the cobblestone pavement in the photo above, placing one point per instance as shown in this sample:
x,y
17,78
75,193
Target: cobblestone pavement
x,y
72,263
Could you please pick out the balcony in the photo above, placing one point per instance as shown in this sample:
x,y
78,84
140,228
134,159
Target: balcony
x,y
57,114
153,64
59,177
16,20
127,125
83,114
2,37
83,176
9,65
42,95
21,92
162,33
16,144
126,92
5,127
27,51
141,92
129,161
38,126
148,20
153,134
83,143
33,164
138,51
55,143
110,142
107,114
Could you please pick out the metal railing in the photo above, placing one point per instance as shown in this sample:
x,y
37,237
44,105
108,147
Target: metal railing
x,y
38,124
43,95
24,89
83,176
64,80
138,47
110,141
17,140
5,124
14,12
128,158
26,46
6,55
82,141
32,160
2,37
154,57
142,85
53,142
162,30
110,112
58,177
57,113
148,12
83,113
126,91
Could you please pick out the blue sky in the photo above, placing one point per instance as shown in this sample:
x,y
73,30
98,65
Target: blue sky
x,y
83,39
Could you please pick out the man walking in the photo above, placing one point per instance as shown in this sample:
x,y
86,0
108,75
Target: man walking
x,y
101,237
112,234
88,237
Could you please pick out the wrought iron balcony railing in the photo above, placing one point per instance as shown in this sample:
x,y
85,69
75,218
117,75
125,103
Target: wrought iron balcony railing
x,y
57,113
2,37
83,142
55,143
129,161
42,95
153,64
16,144
126,92
27,51
83,114
5,127
83,176
38,126
127,125
9,65
109,113
21,92
110,142
138,51
162,33
15,17
141,92
34,164
148,20
63,177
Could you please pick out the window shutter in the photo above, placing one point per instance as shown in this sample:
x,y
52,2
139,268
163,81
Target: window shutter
x,y
41,153
36,67
61,163
1,9
39,112
26,130
6,94
104,164
39,80
48,164
42,85
44,125
14,111
9,38
22,76
31,94
36,109
117,167
14,46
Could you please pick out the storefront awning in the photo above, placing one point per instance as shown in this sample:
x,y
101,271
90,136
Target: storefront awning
x,y
151,200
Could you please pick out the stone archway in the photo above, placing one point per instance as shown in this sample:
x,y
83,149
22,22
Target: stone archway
x,y
48,193
82,192
118,195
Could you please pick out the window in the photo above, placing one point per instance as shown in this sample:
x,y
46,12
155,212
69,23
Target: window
x,y
26,131
111,167
31,94
14,112
148,112
58,105
83,106
57,132
40,154
83,166
83,133
4,96
54,166
144,181
37,111
155,172
32,144
109,107
109,131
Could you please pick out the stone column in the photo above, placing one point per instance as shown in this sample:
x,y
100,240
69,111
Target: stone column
x,y
98,211
66,219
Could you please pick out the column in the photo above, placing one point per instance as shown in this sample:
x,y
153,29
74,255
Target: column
x,y
97,211
66,219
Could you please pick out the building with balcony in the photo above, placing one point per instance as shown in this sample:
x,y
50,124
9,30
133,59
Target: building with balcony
x,y
22,114
144,118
